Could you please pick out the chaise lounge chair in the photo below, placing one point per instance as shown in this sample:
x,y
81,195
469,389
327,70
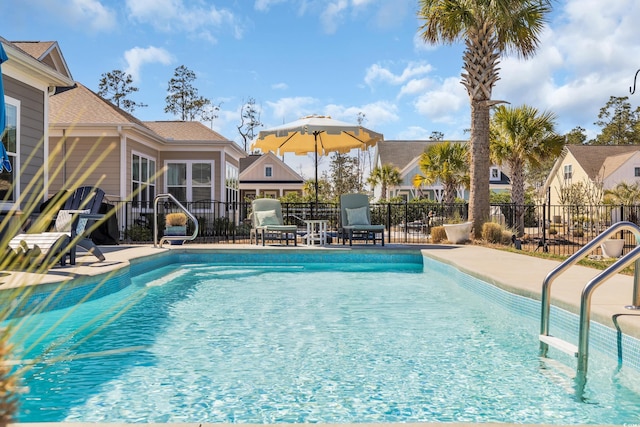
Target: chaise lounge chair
x,y
78,211
355,219
266,221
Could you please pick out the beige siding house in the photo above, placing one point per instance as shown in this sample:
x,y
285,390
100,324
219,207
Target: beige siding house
x,y
265,175
594,166
30,76
134,160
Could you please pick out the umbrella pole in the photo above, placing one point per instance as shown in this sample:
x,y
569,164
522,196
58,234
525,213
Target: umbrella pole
x,y
315,141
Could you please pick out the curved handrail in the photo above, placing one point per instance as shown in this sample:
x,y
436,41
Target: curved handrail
x,y
155,221
572,260
585,310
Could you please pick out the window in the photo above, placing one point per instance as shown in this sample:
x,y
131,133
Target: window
x,y
495,174
143,184
636,171
232,184
268,171
190,181
11,141
567,172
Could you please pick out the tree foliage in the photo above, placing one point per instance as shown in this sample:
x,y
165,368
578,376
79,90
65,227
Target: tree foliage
x,y
183,99
249,121
445,162
522,137
115,86
386,175
575,136
620,125
344,175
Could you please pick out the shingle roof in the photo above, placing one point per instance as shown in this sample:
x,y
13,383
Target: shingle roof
x,y
184,131
34,48
79,104
245,162
592,157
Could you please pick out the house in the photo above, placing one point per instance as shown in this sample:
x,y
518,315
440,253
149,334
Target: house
x,y
265,175
405,155
30,76
64,136
597,167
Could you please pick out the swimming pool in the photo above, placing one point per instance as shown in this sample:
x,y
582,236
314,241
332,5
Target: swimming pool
x,y
319,338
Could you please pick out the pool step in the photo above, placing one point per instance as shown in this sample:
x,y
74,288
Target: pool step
x,y
558,373
563,346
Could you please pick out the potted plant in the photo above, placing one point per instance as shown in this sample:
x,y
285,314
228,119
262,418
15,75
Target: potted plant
x,y
176,225
456,230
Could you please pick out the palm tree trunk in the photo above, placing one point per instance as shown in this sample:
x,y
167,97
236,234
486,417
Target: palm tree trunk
x,y
517,194
480,165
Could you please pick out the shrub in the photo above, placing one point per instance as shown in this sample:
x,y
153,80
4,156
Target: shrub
x,y
552,231
506,237
438,234
578,233
492,232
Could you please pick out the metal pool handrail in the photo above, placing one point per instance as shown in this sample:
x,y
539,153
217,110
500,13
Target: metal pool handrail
x,y
155,221
585,300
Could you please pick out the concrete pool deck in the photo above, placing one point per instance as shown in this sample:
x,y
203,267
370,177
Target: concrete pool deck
x,y
517,273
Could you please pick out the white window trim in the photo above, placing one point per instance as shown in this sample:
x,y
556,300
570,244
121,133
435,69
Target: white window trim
x,y
190,177
153,175
16,166
497,171
265,171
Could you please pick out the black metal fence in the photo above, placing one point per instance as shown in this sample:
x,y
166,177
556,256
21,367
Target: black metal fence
x,y
550,228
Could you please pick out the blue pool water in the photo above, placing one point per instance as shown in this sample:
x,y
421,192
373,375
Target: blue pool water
x,y
313,342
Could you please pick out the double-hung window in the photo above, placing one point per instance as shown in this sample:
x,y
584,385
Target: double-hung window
x,y
190,181
568,172
143,184
9,191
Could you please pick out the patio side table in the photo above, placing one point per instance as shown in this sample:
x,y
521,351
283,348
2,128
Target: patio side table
x,y
316,232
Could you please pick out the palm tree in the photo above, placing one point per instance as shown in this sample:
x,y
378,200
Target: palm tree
x,y
522,138
624,194
446,162
489,29
385,175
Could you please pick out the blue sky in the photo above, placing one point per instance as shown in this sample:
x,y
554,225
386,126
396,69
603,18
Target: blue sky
x,y
332,57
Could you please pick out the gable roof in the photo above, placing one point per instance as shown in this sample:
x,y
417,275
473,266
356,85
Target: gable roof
x,y
592,158
259,160
48,53
26,63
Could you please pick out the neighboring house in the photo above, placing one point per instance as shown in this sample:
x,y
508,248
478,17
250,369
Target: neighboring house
x,y
30,76
265,175
599,167
405,155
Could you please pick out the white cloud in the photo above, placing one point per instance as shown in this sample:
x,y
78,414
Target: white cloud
x,y
280,86
177,15
290,109
376,113
93,13
443,104
139,56
265,5
415,86
332,15
376,72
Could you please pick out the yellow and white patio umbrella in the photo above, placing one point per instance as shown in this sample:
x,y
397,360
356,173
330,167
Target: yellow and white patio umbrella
x,y
320,135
